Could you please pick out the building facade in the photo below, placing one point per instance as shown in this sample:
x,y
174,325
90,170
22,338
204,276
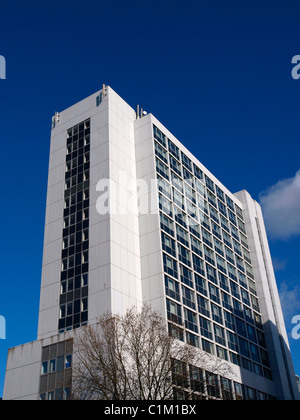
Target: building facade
x,y
133,217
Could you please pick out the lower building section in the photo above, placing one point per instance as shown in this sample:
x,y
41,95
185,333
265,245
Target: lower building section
x,y
40,370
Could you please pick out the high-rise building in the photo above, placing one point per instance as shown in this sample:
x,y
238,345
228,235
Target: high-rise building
x,y
132,218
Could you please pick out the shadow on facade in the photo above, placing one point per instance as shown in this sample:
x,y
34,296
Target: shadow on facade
x,y
279,361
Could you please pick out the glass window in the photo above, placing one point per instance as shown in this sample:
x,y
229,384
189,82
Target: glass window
x,y
212,199
232,272
52,365
196,246
44,368
214,293
216,313
178,199
245,296
220,194
168,244
232,217
174,149
175,166
203,306
226,301
159,136
198,173
177,182
210,184
184,255
219,335
60,363
209,255
208,346
254,353
244,347
240,327
201,285
182,235
229,320
172,288
221,264
68,361
222,353
186,276
167,224
230,203
165,205
222,208
238,388
202,204
211,274
235,290
219,247
232,341
206,237
226,389
188,298
170,266
206,328
190,320
174,312
186,162
200,188
164,187
162,169
192,339
212,384
161,152
198,265
224,284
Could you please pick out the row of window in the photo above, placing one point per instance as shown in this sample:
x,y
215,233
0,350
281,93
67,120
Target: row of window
x,y
195,256
210,307
73,311
56,365
193,383
239,328
59,394
205,246
196,275
213,295
197,220
213,348
79,130
56,371
196,194
181,164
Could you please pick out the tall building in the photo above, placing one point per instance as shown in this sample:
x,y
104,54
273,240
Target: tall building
x,y
132,218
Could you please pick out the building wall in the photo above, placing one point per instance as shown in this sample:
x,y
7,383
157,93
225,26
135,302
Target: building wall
x,y
52,260
23,372
114,253
149,224
151,245
124,238
273,321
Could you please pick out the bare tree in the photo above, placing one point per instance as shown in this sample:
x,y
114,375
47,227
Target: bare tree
x,y
134,358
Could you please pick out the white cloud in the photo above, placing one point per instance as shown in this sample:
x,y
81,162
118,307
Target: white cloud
x,y
279,265
281,208
290,299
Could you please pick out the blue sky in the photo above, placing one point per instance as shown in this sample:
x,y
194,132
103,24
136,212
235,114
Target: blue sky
x,y
217,74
